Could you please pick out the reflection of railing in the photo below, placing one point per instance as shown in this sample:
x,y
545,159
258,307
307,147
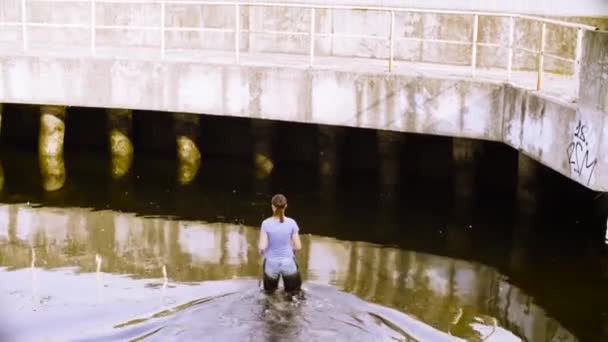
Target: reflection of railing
x,y
390,38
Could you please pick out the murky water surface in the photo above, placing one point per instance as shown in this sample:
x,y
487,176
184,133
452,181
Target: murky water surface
x,y
146,257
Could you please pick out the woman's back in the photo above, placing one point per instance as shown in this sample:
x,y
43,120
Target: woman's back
x,y
279,237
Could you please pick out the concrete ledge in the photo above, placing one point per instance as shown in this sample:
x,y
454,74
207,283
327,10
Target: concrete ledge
x,y
541,127
375,100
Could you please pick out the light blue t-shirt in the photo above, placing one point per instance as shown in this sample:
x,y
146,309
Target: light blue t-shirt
x,y
279,237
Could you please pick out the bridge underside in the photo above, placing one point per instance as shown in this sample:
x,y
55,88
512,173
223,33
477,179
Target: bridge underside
x,y
564,136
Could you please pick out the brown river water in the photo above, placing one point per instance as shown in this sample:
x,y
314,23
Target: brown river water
x,y
148,258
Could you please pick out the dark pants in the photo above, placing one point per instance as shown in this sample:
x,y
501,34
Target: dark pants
x,y
292,282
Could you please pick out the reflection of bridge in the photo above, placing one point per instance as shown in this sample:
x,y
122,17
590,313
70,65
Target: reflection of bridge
x,y
492,76
432,288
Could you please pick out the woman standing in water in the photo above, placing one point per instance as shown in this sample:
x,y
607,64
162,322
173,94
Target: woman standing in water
x,y
279,238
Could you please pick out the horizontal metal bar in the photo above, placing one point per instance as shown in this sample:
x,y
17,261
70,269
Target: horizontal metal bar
x,y
197,29
274,32
534,52
8,23
557,22
492,45
336,7
570,60
346,35
436,41
127,27
414,39
55,25
286,33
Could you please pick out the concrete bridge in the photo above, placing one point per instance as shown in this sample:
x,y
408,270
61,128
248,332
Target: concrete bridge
x,y
537,84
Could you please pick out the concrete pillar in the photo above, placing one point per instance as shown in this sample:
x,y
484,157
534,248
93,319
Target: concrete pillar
x,y
527,184
1,109
52,131
521,243
459,234
464,161
187,132
50,147
526,205
388,180
464,164
328,159
328,162
120,122
122,193
263,136
389,153
1,176
52,170
262,132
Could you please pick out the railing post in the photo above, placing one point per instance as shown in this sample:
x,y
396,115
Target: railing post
x,y
474,46
391,41
93,27
510,52
162,30
541,56
237,32
311,56
24,24
578,57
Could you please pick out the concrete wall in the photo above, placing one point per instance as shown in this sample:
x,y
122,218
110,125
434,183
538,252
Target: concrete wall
x,y
570,138
538,126
560,41
589,133
423,105
564,136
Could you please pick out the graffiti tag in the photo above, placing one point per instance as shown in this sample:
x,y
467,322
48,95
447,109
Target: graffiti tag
x,y
578,153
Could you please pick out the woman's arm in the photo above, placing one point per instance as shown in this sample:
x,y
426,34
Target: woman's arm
x,y
263,241
295,241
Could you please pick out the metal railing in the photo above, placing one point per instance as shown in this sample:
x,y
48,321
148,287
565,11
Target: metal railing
x,y
312,35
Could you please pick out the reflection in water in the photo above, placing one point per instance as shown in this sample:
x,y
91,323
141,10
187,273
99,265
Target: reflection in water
x,y
466,299
98,261
326,261
34,279
52,169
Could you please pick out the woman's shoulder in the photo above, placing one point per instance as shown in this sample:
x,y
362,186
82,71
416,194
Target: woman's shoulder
x,y
290,220
273,220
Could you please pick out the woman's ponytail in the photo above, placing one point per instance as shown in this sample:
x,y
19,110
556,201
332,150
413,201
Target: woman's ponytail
x,y
281,214
279,202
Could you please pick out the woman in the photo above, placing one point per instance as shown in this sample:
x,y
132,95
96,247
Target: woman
x,y
278,239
